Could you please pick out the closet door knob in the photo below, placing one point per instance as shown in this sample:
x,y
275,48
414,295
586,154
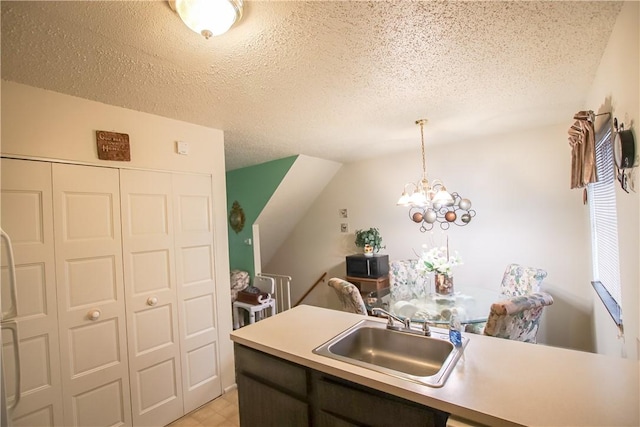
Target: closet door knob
x,y
152,301
94,314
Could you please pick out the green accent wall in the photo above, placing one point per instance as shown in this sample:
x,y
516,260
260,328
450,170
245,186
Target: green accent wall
x,y
252,187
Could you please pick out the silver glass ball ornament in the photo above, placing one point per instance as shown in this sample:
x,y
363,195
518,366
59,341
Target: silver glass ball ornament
x,y
465,218
430,216
465,204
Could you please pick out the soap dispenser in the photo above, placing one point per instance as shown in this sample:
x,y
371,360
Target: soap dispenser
x,y
455,336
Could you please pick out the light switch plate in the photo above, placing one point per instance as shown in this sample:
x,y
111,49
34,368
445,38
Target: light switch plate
x,y
182,147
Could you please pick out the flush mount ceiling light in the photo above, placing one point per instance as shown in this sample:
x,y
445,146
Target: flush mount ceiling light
x,y
431,203
208,17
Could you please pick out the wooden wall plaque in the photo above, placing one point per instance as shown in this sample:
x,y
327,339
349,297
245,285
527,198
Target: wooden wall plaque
x,y
113,146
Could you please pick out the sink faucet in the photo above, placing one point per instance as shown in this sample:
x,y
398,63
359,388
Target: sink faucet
x,y
406,322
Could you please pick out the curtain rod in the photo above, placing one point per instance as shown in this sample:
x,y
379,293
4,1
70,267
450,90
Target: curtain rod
x,y
592,116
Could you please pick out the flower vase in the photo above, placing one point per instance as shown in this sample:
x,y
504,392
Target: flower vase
x,y
368,250
444,284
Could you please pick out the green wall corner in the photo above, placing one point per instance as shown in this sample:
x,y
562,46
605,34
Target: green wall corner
x,y
251,187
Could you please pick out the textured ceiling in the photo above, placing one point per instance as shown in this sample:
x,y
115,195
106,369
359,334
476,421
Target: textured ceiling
x,y
335,80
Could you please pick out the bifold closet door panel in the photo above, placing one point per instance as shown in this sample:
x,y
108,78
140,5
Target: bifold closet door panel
x,y
116,295
91,303
151,297
196,289
28,220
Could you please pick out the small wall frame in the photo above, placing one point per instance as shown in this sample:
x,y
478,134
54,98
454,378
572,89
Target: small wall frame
x,y
236,217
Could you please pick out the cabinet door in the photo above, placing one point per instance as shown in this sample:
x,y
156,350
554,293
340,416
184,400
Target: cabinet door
x,y
360,405
281,374
91,309
151,298
271,391
261,405
326,419
196,289
28,220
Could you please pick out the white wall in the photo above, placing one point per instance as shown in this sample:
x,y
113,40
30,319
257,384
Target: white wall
x,y
45,124
616,88
526,213
302,184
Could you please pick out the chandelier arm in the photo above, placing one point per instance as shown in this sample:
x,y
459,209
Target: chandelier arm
x,y
444,225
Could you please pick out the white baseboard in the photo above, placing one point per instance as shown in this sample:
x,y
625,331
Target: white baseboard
x,y
230,388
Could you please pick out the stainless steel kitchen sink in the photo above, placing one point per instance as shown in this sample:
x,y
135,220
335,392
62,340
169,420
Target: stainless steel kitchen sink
x,y
410,356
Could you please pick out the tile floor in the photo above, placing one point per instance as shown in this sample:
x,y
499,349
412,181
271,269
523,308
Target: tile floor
x,y
220,412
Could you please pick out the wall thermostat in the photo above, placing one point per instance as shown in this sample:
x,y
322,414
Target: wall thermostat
x,y
182,147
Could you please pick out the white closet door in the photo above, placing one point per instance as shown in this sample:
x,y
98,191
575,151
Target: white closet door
x,y
151,297
28,220
196,289
91,308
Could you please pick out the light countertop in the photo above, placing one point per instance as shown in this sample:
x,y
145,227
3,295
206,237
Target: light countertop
x,y
496,382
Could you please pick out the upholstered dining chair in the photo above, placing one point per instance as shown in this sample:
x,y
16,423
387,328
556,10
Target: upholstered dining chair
x,y
517,281
349,296
406,282
521,280
517,318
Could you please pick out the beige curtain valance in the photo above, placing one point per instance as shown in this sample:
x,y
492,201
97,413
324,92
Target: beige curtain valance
x,y
583,157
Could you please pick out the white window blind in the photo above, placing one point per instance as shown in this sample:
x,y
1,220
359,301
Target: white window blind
x,y
604,226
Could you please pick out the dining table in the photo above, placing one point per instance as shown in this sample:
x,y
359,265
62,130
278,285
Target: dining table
x,y
471,304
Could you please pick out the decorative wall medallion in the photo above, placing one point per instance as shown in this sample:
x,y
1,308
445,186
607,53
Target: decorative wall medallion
x,y
624,147
624,154
236,217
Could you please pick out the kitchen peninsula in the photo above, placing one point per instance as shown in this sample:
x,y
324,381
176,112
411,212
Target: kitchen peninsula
x,y
496,383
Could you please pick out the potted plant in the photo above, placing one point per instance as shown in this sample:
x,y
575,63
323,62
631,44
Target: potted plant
x,y
369,240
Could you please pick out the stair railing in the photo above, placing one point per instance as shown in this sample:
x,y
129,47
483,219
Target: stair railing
x,y
311,288
282,291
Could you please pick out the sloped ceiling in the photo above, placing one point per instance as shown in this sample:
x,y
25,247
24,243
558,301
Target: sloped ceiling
x,y
303,183
338,80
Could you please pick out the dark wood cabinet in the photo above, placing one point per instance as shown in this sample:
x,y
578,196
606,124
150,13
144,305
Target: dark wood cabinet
x,y
263,405
275,392
271,392
358,405
326,419
369,285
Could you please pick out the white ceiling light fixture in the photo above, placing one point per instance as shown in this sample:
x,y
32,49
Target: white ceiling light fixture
x,y
431,203
208,17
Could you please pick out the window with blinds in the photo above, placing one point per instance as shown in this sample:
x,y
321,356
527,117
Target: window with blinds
x,y
604,227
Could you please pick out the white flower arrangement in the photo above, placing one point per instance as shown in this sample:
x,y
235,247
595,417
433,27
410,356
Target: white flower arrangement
x,y
438,260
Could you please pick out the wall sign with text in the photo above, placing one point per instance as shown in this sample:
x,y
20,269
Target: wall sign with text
x,y
113,146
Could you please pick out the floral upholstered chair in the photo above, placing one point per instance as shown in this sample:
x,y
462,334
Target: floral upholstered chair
x,y
239,281
517,318
349,296
406,281
519,280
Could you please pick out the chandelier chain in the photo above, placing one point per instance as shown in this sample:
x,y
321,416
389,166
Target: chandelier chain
x,y
424,160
